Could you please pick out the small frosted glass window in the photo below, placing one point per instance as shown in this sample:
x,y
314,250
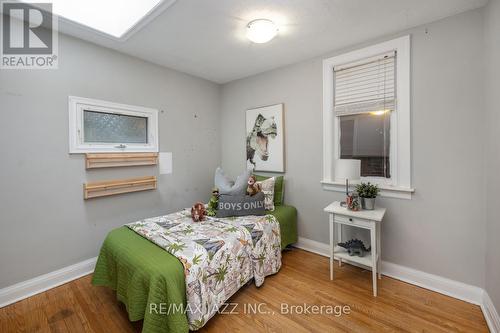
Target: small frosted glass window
x,y
100,127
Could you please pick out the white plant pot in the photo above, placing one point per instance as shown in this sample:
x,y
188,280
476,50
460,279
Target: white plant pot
x,y
368,203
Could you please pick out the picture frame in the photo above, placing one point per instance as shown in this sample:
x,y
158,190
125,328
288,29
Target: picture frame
x,y
265,138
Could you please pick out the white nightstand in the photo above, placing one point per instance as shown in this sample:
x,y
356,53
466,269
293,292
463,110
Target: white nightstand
x,y
366,219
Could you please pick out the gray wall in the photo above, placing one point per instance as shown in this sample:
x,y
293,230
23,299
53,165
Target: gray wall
x,y
45,222
492,33
441,230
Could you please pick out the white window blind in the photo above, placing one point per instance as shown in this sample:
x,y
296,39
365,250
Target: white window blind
x,y
366,86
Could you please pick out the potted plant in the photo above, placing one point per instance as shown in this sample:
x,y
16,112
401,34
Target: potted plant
x,y
367,192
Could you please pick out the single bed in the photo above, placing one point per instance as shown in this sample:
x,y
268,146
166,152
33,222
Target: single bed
x,y
145,275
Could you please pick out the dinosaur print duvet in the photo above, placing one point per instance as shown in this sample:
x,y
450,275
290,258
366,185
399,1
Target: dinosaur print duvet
x,y
219,255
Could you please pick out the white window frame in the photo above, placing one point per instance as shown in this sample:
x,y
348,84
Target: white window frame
x,y
399,185
77,105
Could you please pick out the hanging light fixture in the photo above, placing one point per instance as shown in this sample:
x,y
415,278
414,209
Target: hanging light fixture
x,y
261,31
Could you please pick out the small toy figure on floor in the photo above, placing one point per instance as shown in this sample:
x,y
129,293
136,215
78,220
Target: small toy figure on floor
x,y
355,247
198,212
253,188
213,202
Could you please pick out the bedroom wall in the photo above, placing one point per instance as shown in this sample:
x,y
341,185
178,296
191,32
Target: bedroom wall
x,y
492,31
442,229
46,224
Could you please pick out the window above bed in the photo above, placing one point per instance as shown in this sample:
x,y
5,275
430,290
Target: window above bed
x,y
100,126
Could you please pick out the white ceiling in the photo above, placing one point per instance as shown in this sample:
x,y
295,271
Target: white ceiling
x,y
206,38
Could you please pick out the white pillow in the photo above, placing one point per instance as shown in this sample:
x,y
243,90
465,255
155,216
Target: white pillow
x,y
267,187
227,186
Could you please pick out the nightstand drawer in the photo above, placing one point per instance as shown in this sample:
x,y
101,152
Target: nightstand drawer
x,y
352,221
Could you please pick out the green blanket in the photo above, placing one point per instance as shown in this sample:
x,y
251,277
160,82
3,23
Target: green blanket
x,y
287,218
143,274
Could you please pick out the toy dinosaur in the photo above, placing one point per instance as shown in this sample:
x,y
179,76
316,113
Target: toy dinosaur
x,y
355,247
213,202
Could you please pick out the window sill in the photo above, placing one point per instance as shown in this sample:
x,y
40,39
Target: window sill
x,y
385,191
111,149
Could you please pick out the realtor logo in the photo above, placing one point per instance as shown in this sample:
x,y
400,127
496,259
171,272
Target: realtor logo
x,y
29,36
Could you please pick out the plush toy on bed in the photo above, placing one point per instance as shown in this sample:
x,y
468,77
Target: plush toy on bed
x,y
253,188
213,203
198,212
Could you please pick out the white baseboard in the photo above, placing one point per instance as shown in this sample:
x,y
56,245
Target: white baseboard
x,y
452,288
490,313
313,246
45,282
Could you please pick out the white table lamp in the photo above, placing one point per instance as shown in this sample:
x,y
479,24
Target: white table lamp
x,y
347,170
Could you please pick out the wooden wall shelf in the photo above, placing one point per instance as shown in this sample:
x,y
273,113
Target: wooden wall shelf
x,y
113,187
110,160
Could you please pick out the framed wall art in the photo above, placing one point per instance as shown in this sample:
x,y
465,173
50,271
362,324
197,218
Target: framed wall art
x,y
265,138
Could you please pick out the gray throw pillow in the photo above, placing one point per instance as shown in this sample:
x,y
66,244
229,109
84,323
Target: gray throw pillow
x,y
227,186
241,205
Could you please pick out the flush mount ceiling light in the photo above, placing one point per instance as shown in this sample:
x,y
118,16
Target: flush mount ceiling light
x,y
261,31
116,18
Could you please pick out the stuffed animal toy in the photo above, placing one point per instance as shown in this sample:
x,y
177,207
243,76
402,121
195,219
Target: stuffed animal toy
x,y
213,203
198,212
253,188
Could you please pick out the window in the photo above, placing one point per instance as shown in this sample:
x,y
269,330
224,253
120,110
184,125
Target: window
x,y
99,126
365,96
116,19
366,137
366,115
109,127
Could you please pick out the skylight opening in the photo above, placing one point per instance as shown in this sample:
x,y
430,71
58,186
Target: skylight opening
x,y
112,17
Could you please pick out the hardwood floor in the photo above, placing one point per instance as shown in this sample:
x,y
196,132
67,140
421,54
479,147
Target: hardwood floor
x,y
304,278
